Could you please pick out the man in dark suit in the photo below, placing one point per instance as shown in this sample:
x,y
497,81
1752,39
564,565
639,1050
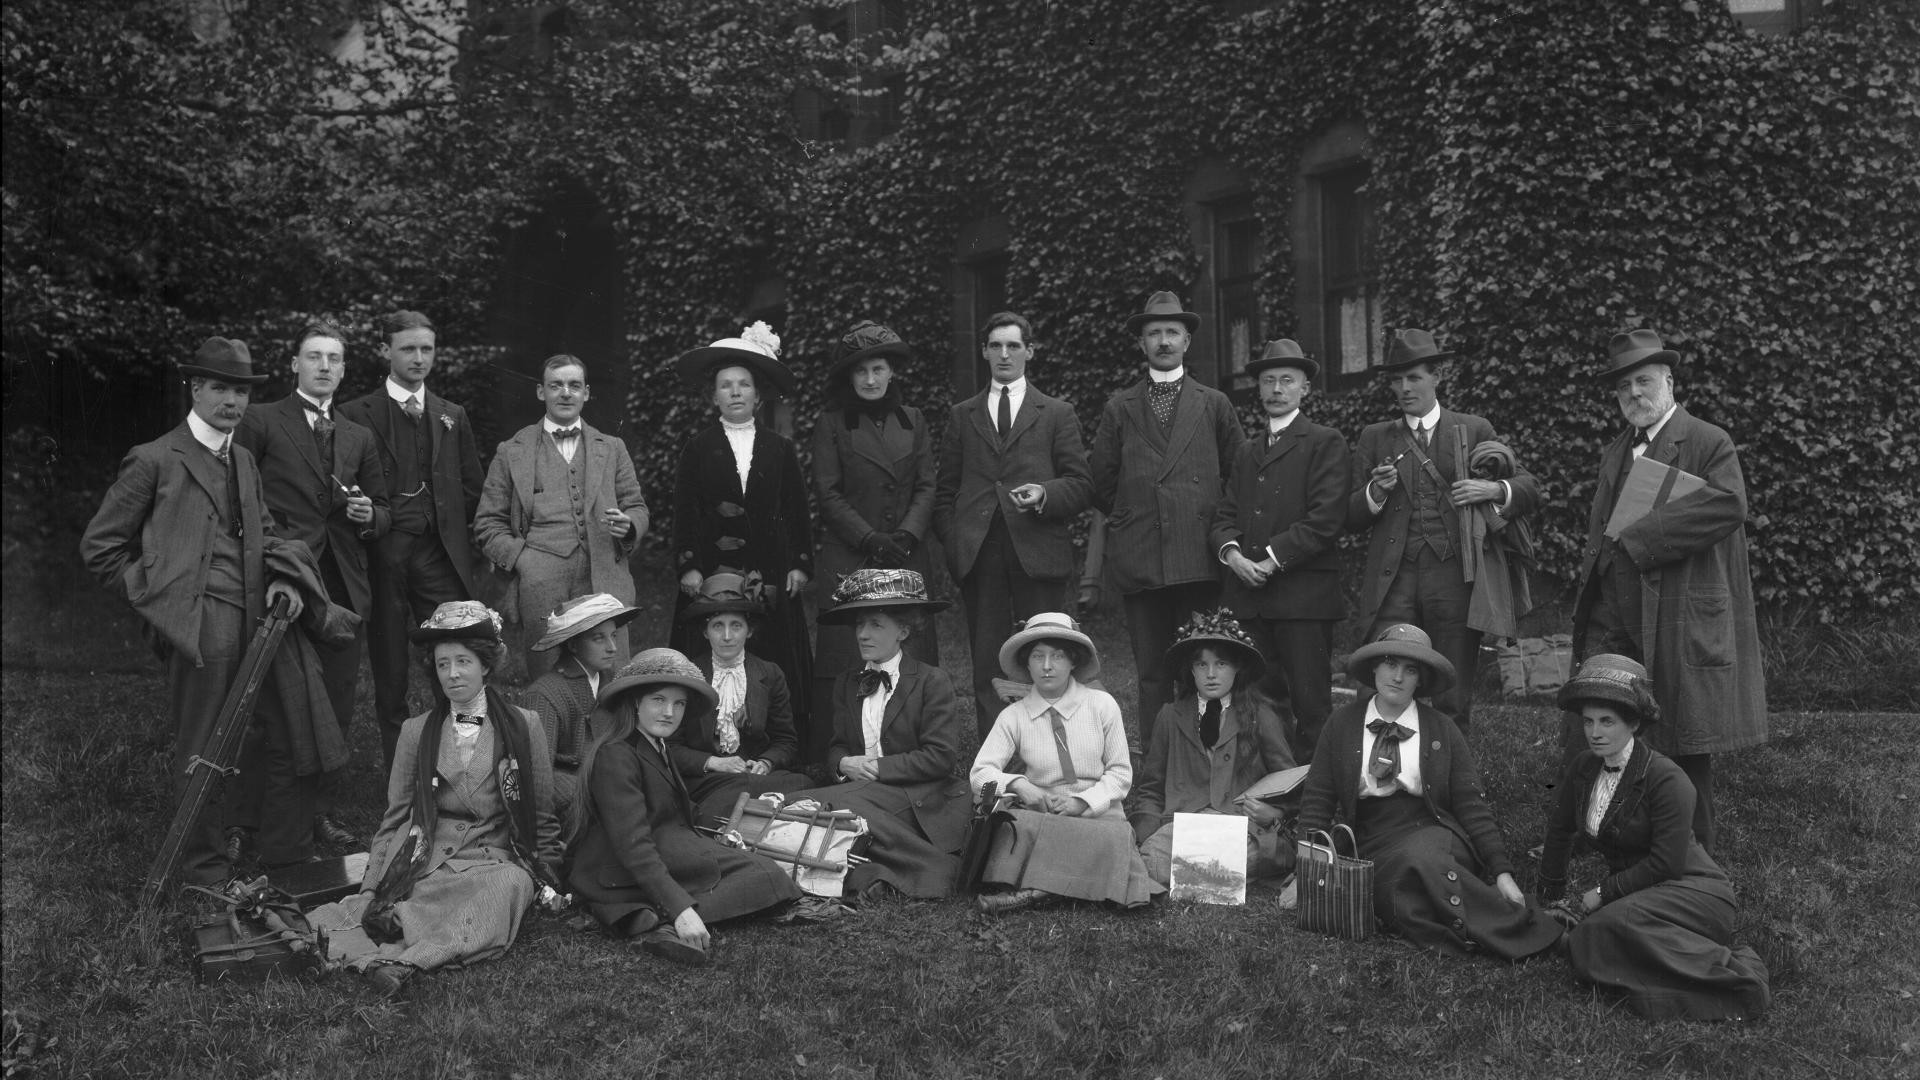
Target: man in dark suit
x,y
323,484
1671,589
183,535
561,511
431,465
1013,476
1160,460
1410,485
1275,531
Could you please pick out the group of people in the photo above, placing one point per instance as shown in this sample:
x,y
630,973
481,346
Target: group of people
x,y
374,523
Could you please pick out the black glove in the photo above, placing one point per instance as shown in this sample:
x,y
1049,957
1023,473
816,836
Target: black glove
x,y
905,540
883,552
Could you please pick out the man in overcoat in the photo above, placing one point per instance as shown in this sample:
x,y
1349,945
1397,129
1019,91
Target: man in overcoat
x,y
324,487
1160,459
1013,476
1275,533
183,536
1671,590
561,512
1410,485
431,464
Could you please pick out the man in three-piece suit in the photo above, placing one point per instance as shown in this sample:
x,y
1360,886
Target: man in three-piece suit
x,y
561,511
1013,476
323,484
183,536
1160,460
431,465
1409,488
1275,532
1672,590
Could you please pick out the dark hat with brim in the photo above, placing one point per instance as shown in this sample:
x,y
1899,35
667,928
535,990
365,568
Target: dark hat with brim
x,y
458,620
581,614
757,349
1612,679
663,667
1048,626
879,590
226,359
1283,352
1163,307
1405,348
1217,630
1635,348
727,592
1408,642
865,341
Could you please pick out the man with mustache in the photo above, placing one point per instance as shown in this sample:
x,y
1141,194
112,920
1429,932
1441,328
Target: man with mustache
x,y
1672,590
1160,460
1410,486
431,464
183,535
323,483
1275,532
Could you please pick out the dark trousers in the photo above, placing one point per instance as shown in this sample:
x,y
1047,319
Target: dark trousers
x,y
411,576
996,592
1429,593
340,667
1299,654
1153,616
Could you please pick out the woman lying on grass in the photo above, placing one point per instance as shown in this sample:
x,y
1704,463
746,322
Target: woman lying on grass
x,y
1416,810
1070,837
1659,927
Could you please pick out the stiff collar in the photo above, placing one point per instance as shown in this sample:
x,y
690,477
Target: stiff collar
x,y
1278,424
890,666
1017,387
1618,761
1200,703
400,394
206,434
325,408
1174,376
1427,421
547,425
1653,431
744,426
1035,707
1409,717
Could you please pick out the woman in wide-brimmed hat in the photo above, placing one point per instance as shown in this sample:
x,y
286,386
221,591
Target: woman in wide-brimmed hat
x,y
1070,837
748,742
638,865
740,504
895,739
1401,775
585,630
1659,926
873,477
469,837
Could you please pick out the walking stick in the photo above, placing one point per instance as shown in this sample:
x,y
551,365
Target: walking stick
x,y
215,759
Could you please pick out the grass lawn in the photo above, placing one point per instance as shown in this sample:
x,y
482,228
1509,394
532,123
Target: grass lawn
x,y
1820,837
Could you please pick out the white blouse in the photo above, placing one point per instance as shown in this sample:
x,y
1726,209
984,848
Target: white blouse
x,y
740,438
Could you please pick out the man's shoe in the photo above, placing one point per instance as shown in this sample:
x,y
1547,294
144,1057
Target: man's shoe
x,y
238,844
813,909
1000,903
388,981
333,834
668,945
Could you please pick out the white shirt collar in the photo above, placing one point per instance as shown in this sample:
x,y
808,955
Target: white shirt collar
x,y
1278,424
1427,421
1653,432
1159,376
1226,702
206,434
1409,717
547,425
400,394
476,707
1620,760
744,425
890,666
325,407
738,661
1017,387
1036,706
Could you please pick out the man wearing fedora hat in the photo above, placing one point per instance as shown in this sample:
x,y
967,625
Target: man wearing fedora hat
x,y
561,510
183,535
1410,484
1013,476
1160,459
431,463
1275,532
1672,588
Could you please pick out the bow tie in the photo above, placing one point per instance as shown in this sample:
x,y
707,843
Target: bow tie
x,y
1386,753
873,679
469,720
567,433
1642,436
1611,768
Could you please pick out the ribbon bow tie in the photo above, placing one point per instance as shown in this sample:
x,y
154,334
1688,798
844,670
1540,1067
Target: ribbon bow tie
x,y
1641,437
567,433
1611,768
1386,759
468,720
873,679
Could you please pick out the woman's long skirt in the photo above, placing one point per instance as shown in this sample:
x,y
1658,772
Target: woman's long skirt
x,y
899,854
1084,858
453,917
1669,949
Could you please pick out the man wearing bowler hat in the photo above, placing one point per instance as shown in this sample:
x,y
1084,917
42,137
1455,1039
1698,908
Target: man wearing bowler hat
x,y
1671,588
1160,460
183,535
1013,476
1275,532
1410,483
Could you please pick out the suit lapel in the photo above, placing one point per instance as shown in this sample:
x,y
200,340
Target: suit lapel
x,y
431,409
883,445
1665,447
1613,464
1229,725
1289,439
651,757
977,410
1139,409
593,465
897,701
202,465
520,465
760,475
1029,414
1186,421
291,415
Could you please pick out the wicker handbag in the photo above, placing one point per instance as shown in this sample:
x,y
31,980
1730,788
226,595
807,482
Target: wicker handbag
x,y
1336,891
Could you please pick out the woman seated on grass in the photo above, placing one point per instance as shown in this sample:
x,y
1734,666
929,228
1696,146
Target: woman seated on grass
x,y
1659,927
895,734
638,865
469,835
748,743
586,630
1416,809
1212,742
1070,837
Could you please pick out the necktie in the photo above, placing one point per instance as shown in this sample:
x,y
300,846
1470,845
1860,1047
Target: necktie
x,y
322,431
872,679
1003,417
1424,434
1161,395
1060,744
1385,766
1210,724
225,454
412,407
225,457
1273,437
563,434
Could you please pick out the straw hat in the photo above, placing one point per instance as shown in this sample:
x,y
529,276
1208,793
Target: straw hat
x,y
581,614
1408,642
1048,626
757,349
879,590
663,667
1612,679
1217,629
458,619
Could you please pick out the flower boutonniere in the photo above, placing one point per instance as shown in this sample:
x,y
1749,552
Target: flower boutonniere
x,y
447,420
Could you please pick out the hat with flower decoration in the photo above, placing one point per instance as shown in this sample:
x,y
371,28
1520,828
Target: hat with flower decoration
x,y
757,349
581,614
1612,679
865,341
458,619
726,591
1216,629
879,589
